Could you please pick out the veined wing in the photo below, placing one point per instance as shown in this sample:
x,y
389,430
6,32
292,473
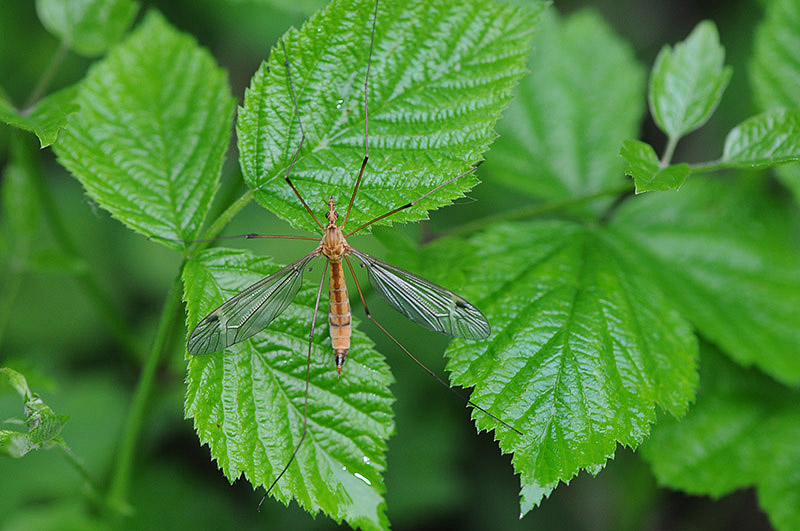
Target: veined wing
x,y
250,311
424,302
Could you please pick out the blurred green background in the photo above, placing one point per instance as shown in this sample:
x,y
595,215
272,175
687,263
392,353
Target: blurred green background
x,y
440,473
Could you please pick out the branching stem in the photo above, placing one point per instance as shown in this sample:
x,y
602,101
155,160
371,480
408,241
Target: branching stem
x,y
47,76
669,150
223,219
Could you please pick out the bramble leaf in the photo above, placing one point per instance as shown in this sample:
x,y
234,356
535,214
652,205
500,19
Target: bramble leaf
x,y
434,97
642,164
768,139
775,65
774,69
46,118
581,99
726,253
150,136
90,27
247,402
38,428
742,431
583,345
687,82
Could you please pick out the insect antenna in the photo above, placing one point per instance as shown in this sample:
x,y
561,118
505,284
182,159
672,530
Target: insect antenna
x,y
305,396
248,236
366,119
414,202
302,135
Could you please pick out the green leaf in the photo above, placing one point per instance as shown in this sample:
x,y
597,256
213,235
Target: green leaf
x,y
41,424
247,402
582,98
150,137
642,164
16,380
774,69
583,345
726,252
779,492
687,83
434,96
46,118
768,139
742,431
90,27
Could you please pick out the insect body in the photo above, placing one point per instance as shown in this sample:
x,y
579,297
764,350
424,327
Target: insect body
x,y
422,301
335,248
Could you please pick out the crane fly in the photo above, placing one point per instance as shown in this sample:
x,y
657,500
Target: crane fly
x,y
420,300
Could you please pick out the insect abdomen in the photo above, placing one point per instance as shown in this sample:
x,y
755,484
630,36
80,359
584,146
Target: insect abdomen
x,y
339,316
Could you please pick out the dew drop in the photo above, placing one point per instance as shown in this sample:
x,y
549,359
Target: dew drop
x,y
362,478
339,103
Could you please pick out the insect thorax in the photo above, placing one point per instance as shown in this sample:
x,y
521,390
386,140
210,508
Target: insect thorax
x,y
333,244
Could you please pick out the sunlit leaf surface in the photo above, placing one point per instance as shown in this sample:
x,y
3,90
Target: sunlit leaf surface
x,y
435,93
152,129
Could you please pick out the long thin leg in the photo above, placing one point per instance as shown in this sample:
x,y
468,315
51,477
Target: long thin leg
x,y
237,237
366,119
252,236
302,135
426,369
412,203
305,399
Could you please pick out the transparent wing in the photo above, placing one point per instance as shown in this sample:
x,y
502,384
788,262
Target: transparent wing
x,y
248,312
424,302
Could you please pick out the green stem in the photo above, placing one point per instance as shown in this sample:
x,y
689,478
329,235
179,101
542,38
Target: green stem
x,y
224,218
47,76
536,210
21,156
708,167
231,188
121,477
669,150
77,464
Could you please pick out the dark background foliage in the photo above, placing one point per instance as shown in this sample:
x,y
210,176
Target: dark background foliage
x,y
440,473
